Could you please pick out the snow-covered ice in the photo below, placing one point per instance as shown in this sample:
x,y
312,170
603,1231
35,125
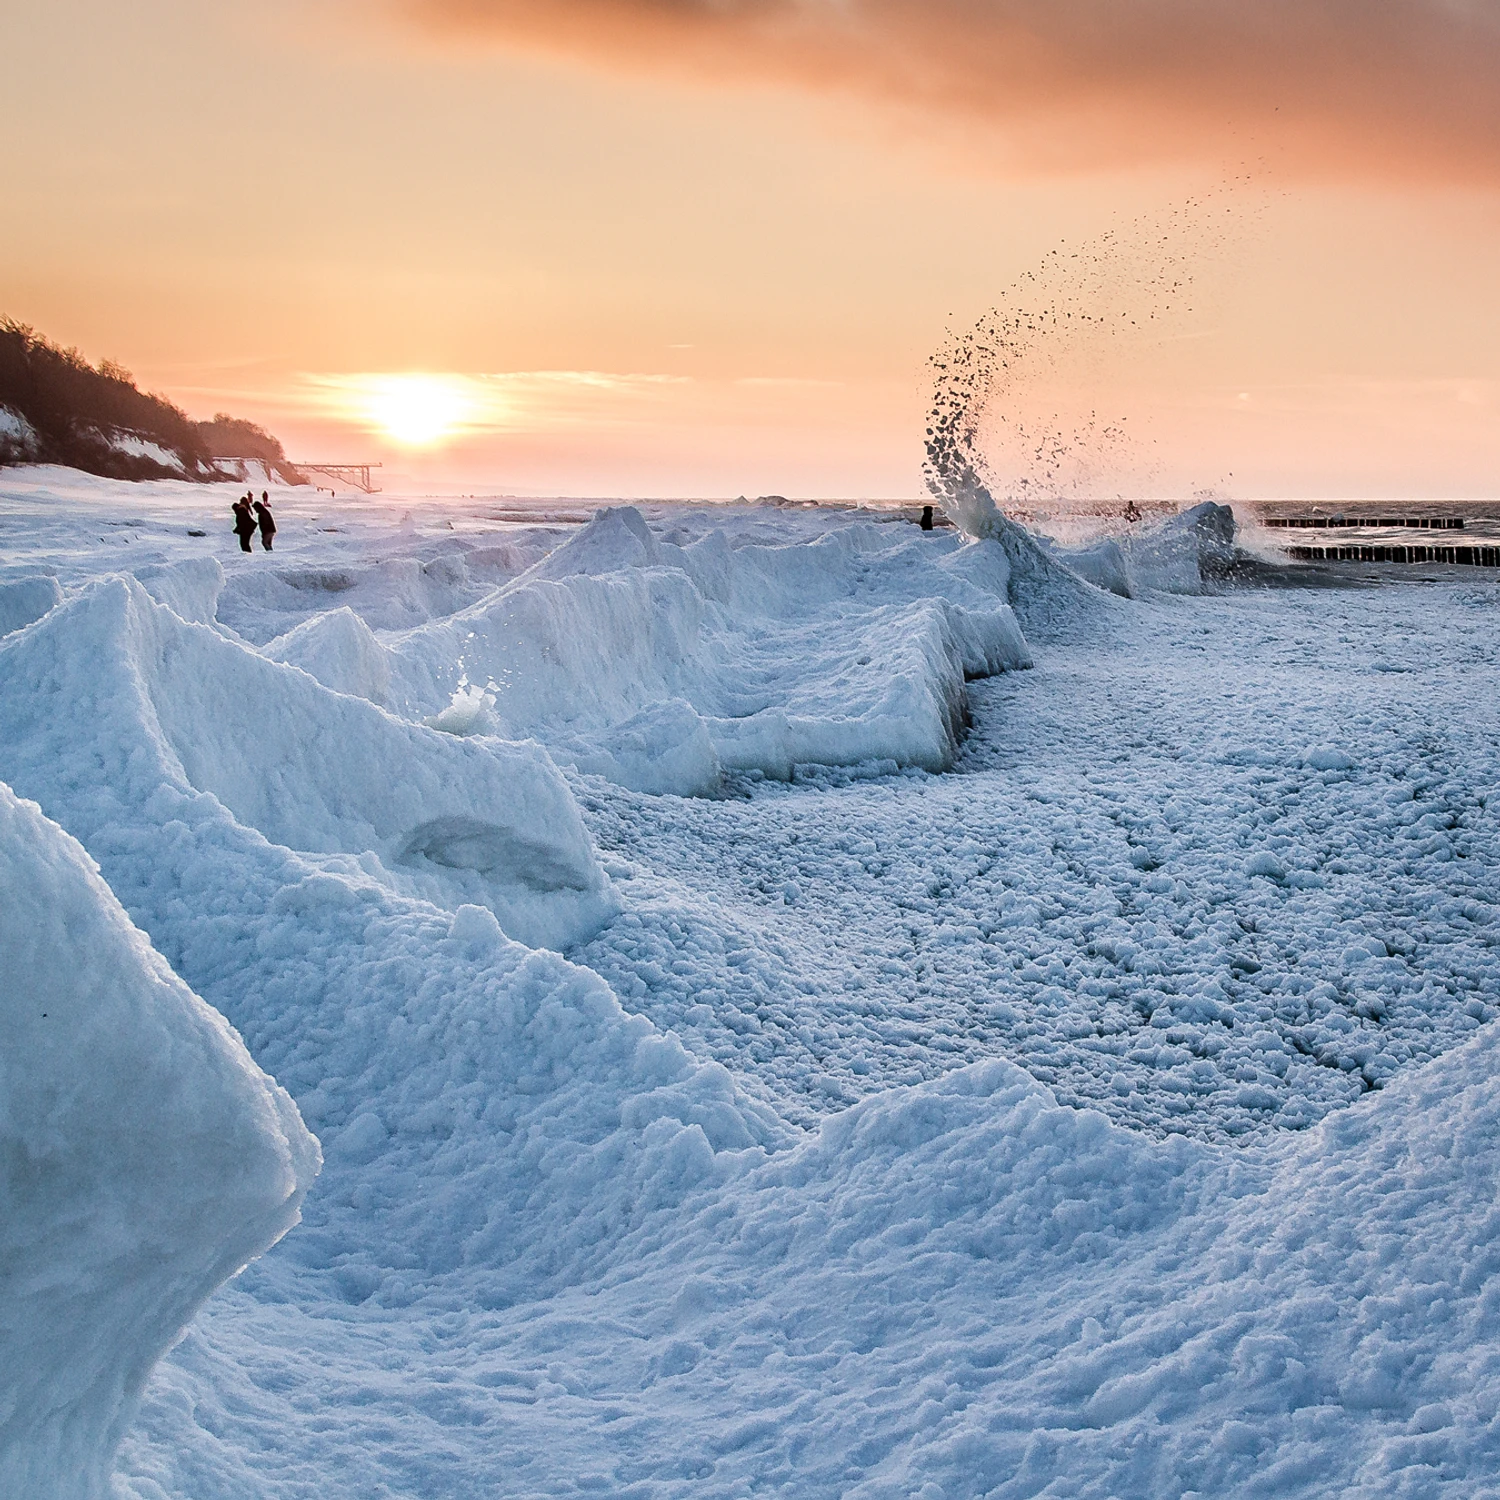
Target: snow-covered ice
x,y
792,1005
660,666
1141,881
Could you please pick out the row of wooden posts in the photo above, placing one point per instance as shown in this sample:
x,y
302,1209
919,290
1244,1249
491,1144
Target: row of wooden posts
x,y
1425,523
1479,557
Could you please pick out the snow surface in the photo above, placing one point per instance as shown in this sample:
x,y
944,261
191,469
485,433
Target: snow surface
x,y
1104,1107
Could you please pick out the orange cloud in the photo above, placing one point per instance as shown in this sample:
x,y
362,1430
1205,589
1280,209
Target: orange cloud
x,y
1385,88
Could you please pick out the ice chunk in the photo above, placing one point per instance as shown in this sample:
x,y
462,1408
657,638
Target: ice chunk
x,y
901,683
1050,600
475,924
1177,556
468,712
666,747
616,538
1265,863
394,593
1106,566
144,1158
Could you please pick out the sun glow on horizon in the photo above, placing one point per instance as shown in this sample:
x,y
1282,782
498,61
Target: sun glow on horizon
x,y
425,410
417,411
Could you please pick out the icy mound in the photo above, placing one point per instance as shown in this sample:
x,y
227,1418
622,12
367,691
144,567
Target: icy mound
x,y
1072,1306
959,1288
1185,551
992,1165
616,538
144,1158
496,1123
658,665
1335,1334
179,705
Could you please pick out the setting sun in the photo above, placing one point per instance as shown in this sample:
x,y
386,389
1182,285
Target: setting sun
x,y
418,410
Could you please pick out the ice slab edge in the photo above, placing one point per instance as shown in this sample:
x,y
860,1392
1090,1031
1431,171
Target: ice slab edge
x,y
660,667
144,1159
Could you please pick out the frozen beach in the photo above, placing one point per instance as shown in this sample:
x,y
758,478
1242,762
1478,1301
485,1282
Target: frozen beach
x,y
790,1005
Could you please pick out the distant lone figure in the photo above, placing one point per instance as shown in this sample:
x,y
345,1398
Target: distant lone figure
x,y
244,522
926,518
267,521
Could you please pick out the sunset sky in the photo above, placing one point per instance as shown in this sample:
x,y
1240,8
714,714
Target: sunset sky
x,y
705,247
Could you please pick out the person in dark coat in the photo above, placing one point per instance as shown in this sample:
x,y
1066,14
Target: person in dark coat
x,y
244,522
266,519
926,521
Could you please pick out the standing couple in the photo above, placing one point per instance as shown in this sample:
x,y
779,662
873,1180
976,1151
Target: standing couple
x,y
245,523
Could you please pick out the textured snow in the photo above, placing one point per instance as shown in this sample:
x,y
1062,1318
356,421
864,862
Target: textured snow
x,y
1105,1106
1138,883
